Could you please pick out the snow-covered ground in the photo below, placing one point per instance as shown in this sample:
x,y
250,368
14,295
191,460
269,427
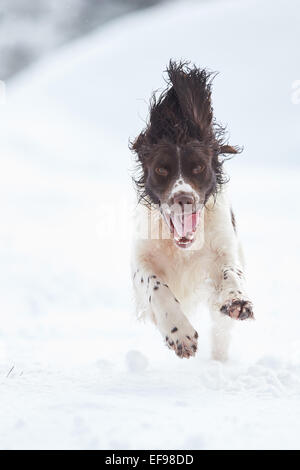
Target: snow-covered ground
x,y
30,29
77,371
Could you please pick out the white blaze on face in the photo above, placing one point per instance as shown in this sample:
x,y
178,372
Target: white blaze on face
x,y
182,186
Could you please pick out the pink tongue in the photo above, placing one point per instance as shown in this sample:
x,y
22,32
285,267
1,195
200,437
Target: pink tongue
x,y
185,223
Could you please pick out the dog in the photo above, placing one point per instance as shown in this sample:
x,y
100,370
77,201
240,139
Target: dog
x,y
191,252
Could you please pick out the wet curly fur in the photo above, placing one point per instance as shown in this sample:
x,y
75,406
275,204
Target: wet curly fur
x,y
180,114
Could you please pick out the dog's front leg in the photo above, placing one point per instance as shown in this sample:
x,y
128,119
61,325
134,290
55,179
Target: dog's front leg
x,y
229,301
227,273
233,300
156,297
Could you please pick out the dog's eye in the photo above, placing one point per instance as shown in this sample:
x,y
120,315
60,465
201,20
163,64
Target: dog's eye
x,y
198,169
162,171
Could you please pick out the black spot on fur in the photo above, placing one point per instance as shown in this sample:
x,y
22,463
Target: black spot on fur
x,y
167,338
174,329
196,335
150,299
233,220
156,288
176,300
188,337
224,309
142,280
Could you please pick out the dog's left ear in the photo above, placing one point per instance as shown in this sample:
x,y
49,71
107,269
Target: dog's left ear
x,y
229,149
139,146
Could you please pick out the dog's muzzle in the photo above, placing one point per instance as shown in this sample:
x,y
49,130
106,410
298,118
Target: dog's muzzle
x,y
182,215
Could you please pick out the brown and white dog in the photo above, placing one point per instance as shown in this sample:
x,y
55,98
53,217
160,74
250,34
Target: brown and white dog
x,y
191,252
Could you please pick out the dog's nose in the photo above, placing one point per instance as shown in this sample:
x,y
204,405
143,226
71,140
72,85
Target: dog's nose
x,y
183,199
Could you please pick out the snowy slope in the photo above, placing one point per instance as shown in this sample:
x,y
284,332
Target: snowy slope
x,y
76,369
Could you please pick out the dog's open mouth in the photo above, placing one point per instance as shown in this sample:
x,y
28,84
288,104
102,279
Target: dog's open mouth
x,y
182,223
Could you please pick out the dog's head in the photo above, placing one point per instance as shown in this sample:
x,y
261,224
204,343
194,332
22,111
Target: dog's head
x,y
179,151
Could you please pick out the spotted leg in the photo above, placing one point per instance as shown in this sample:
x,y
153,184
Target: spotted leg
x,y
233,299
228,302
165,309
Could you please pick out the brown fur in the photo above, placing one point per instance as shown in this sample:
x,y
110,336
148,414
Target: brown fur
x,y
182,115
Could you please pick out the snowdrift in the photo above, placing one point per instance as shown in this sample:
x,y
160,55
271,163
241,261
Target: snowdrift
x,y
76,370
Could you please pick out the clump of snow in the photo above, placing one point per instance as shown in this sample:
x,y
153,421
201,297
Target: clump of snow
x,y
66,299
136,361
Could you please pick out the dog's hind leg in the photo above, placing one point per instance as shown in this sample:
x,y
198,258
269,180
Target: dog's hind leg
x,y
220,334
165,308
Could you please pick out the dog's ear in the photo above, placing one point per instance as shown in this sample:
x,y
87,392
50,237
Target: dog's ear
x,y
192,87
229,149
140,146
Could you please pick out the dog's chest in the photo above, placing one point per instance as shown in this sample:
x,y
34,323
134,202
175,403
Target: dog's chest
x,y
189,274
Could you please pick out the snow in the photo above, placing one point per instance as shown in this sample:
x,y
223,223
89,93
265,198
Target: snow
x,y
77,371
30,30
136,361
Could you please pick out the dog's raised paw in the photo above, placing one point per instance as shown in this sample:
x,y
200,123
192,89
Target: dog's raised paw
x,y
238,309
184,343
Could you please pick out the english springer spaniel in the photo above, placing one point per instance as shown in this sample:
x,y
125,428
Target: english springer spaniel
x,y
190,252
